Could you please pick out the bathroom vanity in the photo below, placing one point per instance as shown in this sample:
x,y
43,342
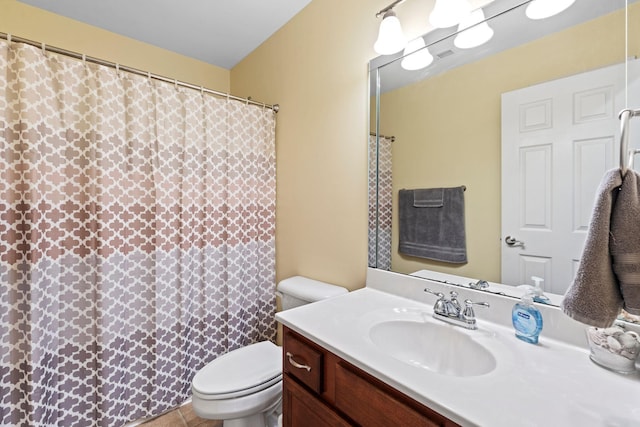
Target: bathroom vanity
x,y
376,356
322,389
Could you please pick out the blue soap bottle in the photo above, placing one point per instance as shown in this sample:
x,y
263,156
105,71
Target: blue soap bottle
x,y
527,319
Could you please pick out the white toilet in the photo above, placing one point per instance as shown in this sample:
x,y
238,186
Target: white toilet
x,y
244,387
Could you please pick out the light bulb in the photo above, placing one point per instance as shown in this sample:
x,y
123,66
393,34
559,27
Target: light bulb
x,y
540,9
416,55
390,36
447,13
472,36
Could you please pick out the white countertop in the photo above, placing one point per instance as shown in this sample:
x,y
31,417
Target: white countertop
x,y
549,384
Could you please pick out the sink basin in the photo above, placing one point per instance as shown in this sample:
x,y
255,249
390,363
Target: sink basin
x,y
441,348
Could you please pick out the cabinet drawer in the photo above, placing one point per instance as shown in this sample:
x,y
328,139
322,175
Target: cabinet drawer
x,y
303,361
357,393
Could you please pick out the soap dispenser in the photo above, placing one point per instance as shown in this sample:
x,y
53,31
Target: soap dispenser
x,y
526,318
538,293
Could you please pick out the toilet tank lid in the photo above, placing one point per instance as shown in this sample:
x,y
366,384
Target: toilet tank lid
x,y
308,289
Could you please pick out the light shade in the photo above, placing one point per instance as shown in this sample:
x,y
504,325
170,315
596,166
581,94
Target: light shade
x,y
470,36
540,9
447,13
390,36
416,55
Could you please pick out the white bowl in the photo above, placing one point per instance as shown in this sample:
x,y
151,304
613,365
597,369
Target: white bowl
x,y
614,348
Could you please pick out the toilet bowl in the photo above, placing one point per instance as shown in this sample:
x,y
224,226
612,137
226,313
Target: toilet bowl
x,y
244,386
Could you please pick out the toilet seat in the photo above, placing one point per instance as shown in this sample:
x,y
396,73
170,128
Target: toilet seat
x,y
240,372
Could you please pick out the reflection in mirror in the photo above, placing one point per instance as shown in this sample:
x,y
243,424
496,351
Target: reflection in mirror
x,y
446,122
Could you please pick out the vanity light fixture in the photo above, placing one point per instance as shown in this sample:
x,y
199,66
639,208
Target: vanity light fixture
x,y
390,36
541,9
473,31
416,55
447,13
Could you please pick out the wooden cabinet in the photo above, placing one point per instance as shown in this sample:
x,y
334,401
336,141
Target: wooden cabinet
x,y
302,408
320,389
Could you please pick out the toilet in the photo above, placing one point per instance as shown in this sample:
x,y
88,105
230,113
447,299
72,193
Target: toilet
x,y
244,387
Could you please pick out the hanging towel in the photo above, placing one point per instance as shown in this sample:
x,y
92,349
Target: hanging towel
x,y
428,198
625,242
432,224
608,276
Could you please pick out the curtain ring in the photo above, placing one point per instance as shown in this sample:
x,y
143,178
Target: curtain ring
x,y
44,48
175,83
117,69
9,38
84,59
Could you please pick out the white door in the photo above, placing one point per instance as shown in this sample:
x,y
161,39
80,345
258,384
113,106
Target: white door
x,y
558,140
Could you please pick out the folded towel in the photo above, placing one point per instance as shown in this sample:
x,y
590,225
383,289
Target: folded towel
x,y
432,224
428,198
608,276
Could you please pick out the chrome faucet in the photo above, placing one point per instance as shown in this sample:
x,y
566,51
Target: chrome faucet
x,y
450,311
480,284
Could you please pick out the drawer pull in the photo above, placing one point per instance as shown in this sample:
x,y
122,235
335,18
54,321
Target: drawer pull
x,y
296,364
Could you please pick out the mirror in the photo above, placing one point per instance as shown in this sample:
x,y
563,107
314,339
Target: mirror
x,y
445,121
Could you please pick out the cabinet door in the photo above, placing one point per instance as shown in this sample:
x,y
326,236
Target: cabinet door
x,y
369,402
302,409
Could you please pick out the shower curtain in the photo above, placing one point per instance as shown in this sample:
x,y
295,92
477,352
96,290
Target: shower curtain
x,y
380,201
137,224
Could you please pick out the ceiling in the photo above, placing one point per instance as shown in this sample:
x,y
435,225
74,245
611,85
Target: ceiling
x,y
218,32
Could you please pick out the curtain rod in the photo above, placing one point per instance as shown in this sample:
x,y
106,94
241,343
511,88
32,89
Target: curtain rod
x,y
392,138
83,57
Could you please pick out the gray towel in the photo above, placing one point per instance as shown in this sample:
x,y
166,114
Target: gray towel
x,y
432,224
428,198
625,242
608,276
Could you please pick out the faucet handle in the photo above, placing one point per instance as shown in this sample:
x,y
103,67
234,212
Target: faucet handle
x,y
454,301
440,295
469,304
468,313
439,306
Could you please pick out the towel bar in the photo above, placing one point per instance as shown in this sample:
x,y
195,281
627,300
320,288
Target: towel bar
x,y
626,155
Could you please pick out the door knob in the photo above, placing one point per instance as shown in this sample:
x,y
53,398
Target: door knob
x,y
512,241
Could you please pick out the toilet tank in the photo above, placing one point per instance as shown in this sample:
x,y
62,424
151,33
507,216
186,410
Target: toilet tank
x,y
297,290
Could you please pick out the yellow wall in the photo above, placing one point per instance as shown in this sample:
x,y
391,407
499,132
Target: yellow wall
x,y
447,128
315,67
29,22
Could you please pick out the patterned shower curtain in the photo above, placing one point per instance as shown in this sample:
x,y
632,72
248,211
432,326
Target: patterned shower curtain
x,y
380,201
137,225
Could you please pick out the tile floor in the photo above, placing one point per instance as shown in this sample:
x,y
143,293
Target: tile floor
x,y
181,417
